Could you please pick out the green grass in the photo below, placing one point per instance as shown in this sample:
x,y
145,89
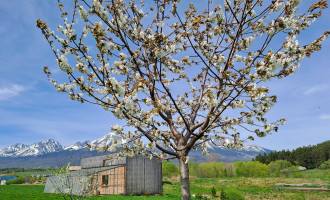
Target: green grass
x,y
29,192
251,188
35,172
22,192
323,174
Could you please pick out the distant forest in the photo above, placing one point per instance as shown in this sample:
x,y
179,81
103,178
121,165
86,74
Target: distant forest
x,y
310,157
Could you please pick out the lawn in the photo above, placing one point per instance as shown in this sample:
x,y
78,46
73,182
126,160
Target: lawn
x,y
251,188
33,172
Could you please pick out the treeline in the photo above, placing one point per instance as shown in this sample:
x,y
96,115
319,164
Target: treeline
x,y
13,170
279,168
310,157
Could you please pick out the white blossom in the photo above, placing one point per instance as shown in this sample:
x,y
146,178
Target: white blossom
x,y
83,13
62,62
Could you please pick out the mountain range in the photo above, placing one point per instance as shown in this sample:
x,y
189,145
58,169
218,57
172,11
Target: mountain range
x,y
50,153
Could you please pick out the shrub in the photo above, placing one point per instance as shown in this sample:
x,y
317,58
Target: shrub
x,y
325,165
213,192
251,169
192,167
297,175
210,170
231,194
19,180
292,171
169,169
275,167
222,194
200,196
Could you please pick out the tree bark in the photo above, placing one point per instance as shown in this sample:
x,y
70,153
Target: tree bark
x,y
184,178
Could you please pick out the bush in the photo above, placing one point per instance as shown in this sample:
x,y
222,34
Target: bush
x,y
325,165
297,175
19,180
292,172
213,192
251,169
231,194
229,170
210,170
200,196
169,169
192,167
276,167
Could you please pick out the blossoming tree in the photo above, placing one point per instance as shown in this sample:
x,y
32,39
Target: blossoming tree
x,y
180,76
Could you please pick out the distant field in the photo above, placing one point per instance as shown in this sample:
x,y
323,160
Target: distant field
x,y
251,188
30,173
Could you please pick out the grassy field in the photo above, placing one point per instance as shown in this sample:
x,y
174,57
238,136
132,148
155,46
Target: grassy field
x,y
251,188
35,172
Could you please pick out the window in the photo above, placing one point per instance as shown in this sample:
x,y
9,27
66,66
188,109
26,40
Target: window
x,y
105,180
104,163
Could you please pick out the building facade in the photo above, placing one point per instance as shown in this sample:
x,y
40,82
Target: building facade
x,y
100,176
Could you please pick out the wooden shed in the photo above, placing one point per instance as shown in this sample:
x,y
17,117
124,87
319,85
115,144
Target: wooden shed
x,y
129,175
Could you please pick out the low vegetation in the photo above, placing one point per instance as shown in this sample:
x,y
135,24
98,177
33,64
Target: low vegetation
x,y
228,188
325,165
214,180
26,176
279,168
26,171
18,180
27,180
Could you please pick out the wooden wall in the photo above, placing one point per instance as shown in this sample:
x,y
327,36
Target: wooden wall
x,y
144,176
98,161
130,175
116,181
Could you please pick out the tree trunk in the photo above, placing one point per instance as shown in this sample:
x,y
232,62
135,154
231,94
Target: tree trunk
x,y
184,177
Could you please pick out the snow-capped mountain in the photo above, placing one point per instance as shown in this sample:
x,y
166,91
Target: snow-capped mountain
x,y
214,144
11,150
40,148
76,146
254,148
49,146
106,140
49,153
101,142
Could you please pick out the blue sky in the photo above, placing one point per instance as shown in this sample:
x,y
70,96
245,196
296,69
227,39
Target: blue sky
x,y
31,110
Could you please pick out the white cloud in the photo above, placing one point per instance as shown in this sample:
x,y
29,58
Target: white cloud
x,y
324,116
316,88
10,91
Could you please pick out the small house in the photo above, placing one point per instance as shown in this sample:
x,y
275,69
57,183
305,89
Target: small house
x,y
74,168
100,176
3,182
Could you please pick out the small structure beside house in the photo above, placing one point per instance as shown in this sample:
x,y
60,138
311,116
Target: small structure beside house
x,y
301,168
3,182
100,176
40,175
74,168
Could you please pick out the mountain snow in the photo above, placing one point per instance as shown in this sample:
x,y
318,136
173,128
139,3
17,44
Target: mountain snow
x,y
106,140
40,148
253,148
11,150
76,146
49,146
214,144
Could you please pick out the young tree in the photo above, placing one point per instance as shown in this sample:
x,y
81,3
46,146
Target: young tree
x,y
179,75
213,157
